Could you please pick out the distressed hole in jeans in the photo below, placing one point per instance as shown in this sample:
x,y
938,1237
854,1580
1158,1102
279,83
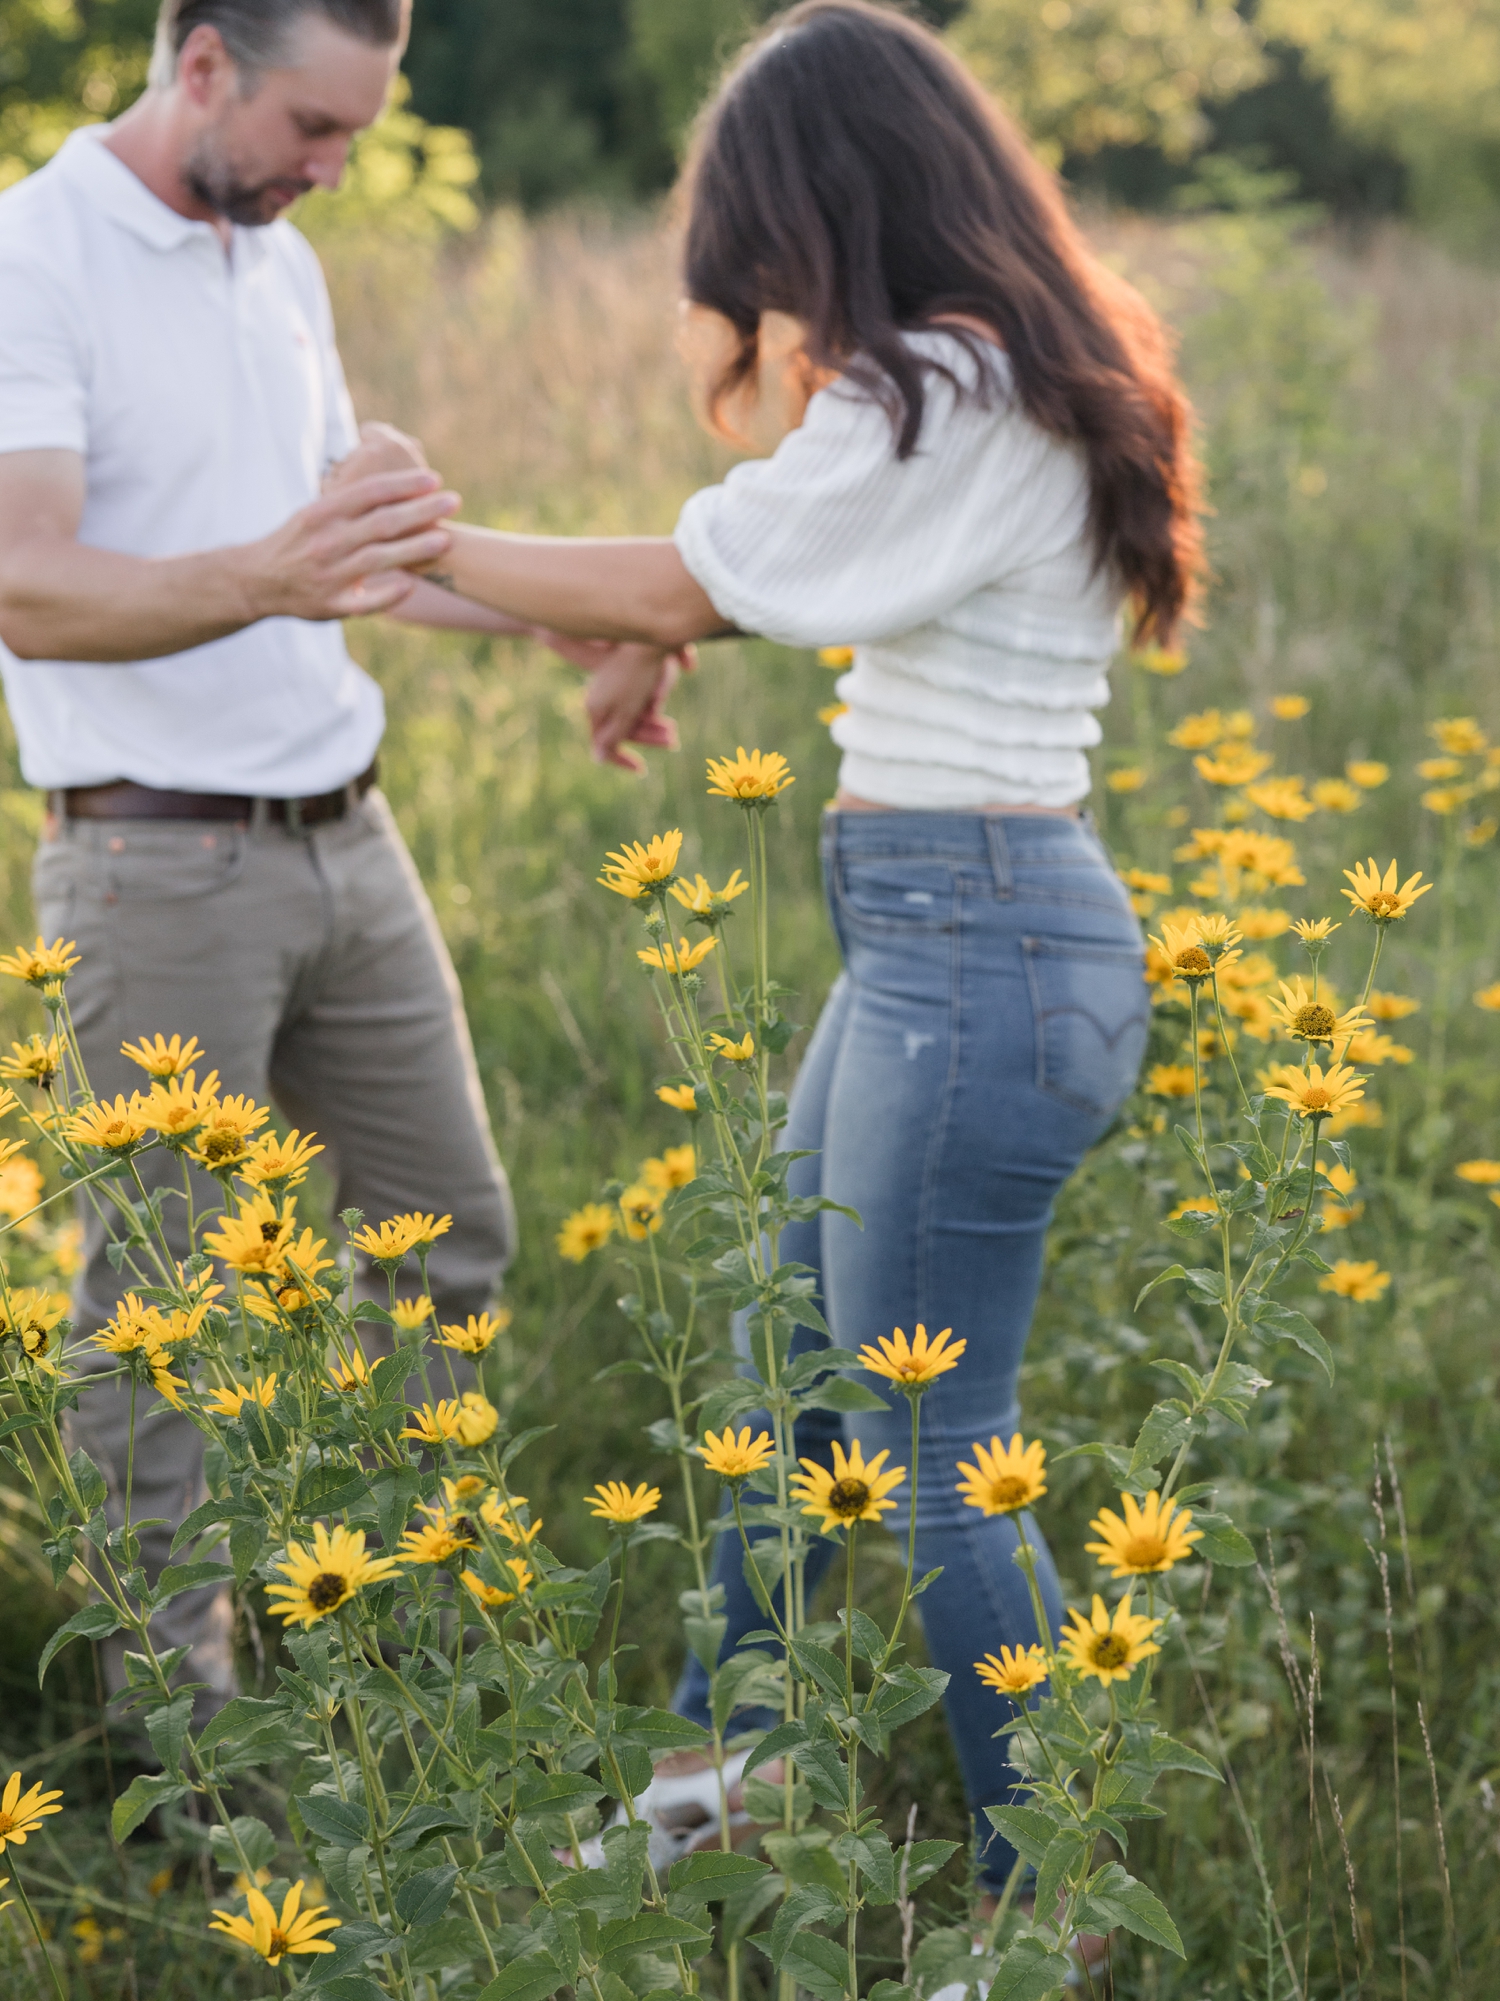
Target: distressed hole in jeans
x,y
916,1043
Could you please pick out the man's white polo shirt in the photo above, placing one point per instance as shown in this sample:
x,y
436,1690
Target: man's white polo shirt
x,y
204,392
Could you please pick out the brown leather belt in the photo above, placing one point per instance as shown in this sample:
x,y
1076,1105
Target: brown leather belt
x,y
125,800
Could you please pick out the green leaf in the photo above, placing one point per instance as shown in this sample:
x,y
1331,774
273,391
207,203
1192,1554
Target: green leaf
x,y
1287,1324
785,1737
88,1479
819,1665
1064,1854
819,1964
344,1823
257,1840
877,1864
746,1678
355,1941
1221,1541
729,1401
1193,1222
1172,1271
450,1943
842,1393
145,1791
712,1873
180,1577
394,1490
904,1693
925,1858
168,1726
1167,1755
647,1931
423,1898
1029,1972
1115,1898
540,1793
1165,1428
94,1622
531,1978
1028,1830
243,1716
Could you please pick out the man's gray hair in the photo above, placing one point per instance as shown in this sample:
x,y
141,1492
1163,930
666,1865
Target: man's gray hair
x,y
258,34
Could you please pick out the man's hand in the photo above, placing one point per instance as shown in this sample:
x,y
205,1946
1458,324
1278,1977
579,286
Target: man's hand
x,y
627,694
381,448
346,555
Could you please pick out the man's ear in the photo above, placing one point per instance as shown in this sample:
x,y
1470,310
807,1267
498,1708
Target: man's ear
x,y
206,72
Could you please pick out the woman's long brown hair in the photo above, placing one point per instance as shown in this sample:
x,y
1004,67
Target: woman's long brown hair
x,y
851,172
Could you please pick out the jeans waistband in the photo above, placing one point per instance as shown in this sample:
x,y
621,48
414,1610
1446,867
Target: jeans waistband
x,y
997,840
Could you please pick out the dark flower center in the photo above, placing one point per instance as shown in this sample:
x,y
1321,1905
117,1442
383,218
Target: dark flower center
x,y
1194,963
1314,1023
326,1590
1008,1492
463,1530
1111,1651
848,1499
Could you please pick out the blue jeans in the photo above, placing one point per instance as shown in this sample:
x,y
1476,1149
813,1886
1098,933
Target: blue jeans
x,y
990,1019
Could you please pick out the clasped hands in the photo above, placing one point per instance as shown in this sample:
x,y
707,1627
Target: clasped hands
x,y
629,682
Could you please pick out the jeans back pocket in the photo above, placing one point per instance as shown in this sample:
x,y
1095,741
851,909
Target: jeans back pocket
x,y
1091,1011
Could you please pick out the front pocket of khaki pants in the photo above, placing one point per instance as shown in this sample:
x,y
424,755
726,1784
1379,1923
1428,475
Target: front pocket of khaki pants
x,y
149,863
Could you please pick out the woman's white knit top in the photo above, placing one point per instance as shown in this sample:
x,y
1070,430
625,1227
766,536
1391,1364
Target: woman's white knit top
x,y
963,577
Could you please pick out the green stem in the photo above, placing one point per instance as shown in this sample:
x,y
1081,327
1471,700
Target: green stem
x,y
32,1920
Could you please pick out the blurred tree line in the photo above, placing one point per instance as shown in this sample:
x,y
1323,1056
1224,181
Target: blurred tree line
x,y
1362,106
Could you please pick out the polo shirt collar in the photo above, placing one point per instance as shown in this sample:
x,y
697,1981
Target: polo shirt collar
x,y
124,197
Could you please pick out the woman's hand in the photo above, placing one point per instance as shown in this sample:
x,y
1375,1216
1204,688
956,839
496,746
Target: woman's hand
x,y
381,448
627,693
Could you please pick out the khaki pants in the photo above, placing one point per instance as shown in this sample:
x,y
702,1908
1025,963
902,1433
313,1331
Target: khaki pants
x,y
310,967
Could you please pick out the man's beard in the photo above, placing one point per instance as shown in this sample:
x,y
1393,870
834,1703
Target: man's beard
x,y
251,204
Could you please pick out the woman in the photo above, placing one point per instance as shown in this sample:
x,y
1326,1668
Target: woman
x,y
976,456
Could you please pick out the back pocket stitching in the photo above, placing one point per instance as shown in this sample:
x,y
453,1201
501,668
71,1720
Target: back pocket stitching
x,y
1036,949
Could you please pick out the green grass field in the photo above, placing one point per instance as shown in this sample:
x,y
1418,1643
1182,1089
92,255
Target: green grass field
x,y
1348,397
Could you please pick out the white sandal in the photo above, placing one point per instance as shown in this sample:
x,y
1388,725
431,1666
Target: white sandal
x,y
666,1807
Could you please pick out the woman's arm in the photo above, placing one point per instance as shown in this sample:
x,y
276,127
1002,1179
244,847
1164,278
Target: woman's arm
x,y
633,588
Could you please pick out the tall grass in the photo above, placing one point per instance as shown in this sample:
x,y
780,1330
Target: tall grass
x,y
1348,396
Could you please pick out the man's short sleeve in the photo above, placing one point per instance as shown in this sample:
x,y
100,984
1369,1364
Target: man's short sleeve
x,y
44,362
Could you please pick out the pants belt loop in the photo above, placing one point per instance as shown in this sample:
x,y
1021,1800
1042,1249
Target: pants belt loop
x,y
260,815
994,834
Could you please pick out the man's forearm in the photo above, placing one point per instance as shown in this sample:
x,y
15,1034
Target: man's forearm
x,y
61,600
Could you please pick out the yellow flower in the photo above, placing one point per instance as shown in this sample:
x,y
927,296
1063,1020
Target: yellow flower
x,y
134,1326
160,1058
477,1418
37,1061
1343,1180
230,1402
176,1107
1368,1047
1378,896
114,1127
491,1594
1239,722
1158,660
477,1332
1007,1477
640,1212
1146,879
434,1426
1447,799
256,1239
587,1229
734,1458
1287,708
634,869
1170,1080
222,1139
350,1375
411,1314
749,775
1367,773
1259,923
394,1241
1460,736
1314,1093
1483,1173
1489,998
1197,732
674,1169
1482,832
1315,930
41,965
1337,795
326,1576
1149,1539
912,1365
1281,799
853,1492
1339,1215
23,1813
436,1540
1391,1007
21,1187
831,711
1236,764
1193,1205
1129,778
1109,1648
681,1097
29,1315
733,1052
277,1163
1186,952
1361,1282
1371,1115
1434,768
836,657
613,1501
679,958
703,901
501,1515
273,1937
1016,1672
1309,1019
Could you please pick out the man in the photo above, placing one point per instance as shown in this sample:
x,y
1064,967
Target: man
x,y
170,588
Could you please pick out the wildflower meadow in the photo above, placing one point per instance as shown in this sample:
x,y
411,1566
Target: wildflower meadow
x,y
1260,1759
